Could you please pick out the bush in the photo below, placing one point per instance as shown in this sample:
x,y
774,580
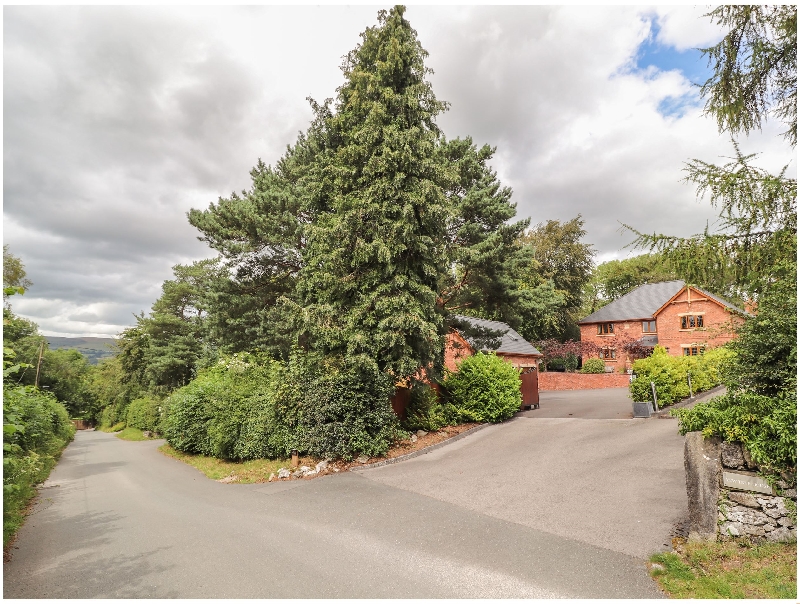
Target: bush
x,y
145,414
670,374
346,410
36,428
485,389
593,366
426,412
247,408
766,425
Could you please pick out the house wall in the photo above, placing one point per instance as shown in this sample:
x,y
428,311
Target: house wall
x,y
719,325
456,349
632,329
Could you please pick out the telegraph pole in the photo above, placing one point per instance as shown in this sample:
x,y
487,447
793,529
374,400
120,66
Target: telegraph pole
x,y
39,364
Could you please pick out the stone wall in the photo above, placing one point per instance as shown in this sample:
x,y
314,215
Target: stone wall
x,y
750,513
728,498
556,380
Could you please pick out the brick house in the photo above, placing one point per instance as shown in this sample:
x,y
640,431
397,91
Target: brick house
x,y
512,347
682,318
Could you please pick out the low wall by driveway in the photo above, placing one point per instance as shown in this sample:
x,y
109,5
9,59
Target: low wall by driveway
x,y
555,380
727,497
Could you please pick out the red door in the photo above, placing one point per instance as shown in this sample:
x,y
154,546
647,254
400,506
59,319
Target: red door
x,y
530,388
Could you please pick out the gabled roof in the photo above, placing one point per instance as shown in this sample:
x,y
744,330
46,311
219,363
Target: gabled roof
x,y
645,301
641,303
510,343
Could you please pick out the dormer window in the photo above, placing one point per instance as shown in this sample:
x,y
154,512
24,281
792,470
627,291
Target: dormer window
x,y
604,329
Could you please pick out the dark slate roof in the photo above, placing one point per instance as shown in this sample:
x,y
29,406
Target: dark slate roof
x,y
640,303
511,343
645,300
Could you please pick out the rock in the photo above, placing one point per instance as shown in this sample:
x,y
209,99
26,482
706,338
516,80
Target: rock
x,y
310,473
782,534
731,529
362,459
413,438
284,473
421,433
785,521
754,531
321,466
721,517
790,493
271,477
745,499
297,474
146,434
304,470
732,456
747,516
748,459
701,462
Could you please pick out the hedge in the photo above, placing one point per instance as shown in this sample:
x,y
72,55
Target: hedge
x,y
484,389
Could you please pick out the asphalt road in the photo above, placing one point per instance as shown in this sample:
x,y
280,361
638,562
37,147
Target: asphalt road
x,y
119,520
608,403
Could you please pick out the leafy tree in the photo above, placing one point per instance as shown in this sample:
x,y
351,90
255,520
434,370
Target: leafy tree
x,y
615,278
561,257
13,272
259,235
163,350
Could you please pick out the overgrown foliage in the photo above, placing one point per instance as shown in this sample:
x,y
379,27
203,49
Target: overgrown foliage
x,y
36,428
593,366
671,374
145,414
484,389
247,407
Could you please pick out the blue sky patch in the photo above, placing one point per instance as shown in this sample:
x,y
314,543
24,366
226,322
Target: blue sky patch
x,y
666,58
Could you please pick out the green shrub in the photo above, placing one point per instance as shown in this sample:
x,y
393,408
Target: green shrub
x,y
484,389
145,414
766,425
426,411
593,366
670,374
346,410
36,428
248,408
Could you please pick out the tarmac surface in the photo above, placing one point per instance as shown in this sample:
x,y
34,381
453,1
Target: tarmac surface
x,y
607,403
532,508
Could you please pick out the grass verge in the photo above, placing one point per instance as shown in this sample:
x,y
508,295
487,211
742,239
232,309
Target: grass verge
x,y
132,434
729,569
115,428
245,472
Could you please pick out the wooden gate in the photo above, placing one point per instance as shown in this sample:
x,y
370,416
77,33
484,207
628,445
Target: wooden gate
x,y
530,388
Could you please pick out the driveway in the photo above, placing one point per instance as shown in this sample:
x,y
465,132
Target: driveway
x,y
474,519
615,484
605,403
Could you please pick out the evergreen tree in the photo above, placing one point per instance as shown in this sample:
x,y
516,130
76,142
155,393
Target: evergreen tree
x,y
374,250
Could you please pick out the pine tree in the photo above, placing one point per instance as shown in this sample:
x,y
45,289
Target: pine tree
x,y
374,251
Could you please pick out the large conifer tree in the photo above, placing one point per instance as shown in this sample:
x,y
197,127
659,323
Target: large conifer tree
x,y
374,250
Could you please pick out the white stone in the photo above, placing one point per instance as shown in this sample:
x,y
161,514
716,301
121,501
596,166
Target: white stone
x,y
732,529
271,477
284,473
782,534
413,438
362,459
321,466
421,433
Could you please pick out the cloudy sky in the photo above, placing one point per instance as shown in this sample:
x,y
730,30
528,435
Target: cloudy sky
x,y
118,120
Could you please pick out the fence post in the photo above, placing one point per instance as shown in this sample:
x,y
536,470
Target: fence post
x,y
655,399
689,377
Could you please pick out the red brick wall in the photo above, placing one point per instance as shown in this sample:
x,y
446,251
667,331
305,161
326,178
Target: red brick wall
x,y
719,327
719,324
632,329
555,380
457,349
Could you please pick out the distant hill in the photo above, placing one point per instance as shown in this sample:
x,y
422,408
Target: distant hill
x,y
93,349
